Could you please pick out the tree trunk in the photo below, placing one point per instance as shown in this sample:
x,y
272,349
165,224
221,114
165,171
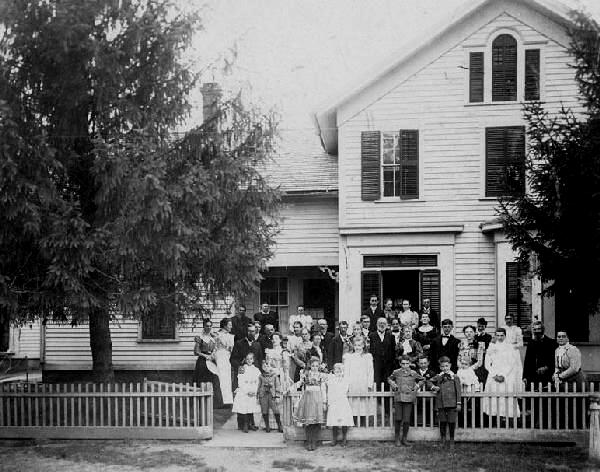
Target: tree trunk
x,y
101,345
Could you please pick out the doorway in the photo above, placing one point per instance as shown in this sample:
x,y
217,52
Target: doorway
x,y
400,285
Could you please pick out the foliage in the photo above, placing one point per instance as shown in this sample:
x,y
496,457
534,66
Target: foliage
x,y
557,223
104,207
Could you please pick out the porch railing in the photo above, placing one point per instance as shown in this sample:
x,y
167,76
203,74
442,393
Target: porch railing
x,y
539,413
148,410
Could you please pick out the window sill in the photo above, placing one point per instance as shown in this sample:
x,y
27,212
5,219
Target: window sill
x,y
487,104
154,341
397,200
487,199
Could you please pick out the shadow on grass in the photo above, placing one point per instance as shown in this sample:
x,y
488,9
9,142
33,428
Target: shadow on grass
x,y
293,464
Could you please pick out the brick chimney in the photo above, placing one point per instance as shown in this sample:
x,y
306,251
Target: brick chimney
x,y
211,98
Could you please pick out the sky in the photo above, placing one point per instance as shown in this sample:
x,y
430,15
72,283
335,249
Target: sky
x,y
295,54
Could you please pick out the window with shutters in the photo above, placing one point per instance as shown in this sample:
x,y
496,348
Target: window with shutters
x,y
400,164
504,161
476,84
518,295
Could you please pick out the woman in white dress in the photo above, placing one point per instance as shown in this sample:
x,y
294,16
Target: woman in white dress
x,y
224,341
358,371
503,363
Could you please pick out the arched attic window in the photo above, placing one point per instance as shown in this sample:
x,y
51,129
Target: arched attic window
x,y
504,68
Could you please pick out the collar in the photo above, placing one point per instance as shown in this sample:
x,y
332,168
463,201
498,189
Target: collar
x,y
450,374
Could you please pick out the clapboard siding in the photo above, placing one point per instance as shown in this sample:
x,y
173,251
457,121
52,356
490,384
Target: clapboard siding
x,y
434,100
26,340
68,347
308,234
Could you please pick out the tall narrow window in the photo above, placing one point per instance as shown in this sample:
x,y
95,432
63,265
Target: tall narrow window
x,y
504,161
476,77
504,68
400,164
532,74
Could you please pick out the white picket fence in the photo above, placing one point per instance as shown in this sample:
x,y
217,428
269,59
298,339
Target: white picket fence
x,y
148,410
544,415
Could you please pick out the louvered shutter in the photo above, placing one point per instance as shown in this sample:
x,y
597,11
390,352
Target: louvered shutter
x,y
370,146
431,288
516,304
476,77
532,74
505,161
504,68
371,285
409,162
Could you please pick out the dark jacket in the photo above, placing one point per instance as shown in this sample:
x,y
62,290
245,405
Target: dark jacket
x,y
267,318
239,352
449,395
404,385
336,351
483,338
539,354
416,351
373,317
428,375
239,326
326,341
450,350
383,353
266,342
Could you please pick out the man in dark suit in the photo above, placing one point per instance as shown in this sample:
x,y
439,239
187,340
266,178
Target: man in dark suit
x,y
373,312
240,323
434,317
445,345
539,357
240,350
336,351
266,316
382,347
326,336
266,339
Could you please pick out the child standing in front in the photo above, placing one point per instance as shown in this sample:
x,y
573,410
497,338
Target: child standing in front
x,y
245,403
309,412
405,383
339,412
448,400
270,394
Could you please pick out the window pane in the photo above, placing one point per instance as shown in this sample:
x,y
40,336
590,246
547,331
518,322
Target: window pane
x,y
398,180
504,68
388,182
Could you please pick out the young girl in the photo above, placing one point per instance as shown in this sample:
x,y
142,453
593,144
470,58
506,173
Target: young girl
x,y
466,374
245,403
358,371
339,412
309,412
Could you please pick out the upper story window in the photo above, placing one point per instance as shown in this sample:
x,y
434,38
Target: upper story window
x,y
504,68
504,71
504,161
390,164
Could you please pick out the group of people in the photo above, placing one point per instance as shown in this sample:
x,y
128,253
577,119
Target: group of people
x,y
386,349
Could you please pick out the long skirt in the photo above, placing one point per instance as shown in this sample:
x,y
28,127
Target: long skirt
x,y
202,374
224,372
310,408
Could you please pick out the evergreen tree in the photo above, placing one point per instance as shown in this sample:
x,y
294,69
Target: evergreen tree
x,y
557,223
105,210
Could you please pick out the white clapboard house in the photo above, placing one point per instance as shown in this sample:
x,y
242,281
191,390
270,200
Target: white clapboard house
x,y
402,200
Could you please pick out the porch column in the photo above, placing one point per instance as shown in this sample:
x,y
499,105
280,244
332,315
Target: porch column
x,y
594,448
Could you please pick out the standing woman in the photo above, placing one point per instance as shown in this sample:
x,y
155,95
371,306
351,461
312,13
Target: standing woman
x,y
224,341
301,354
425,334
206,369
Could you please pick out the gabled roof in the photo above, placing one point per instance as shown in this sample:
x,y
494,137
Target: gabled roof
x,y
300,166
326,116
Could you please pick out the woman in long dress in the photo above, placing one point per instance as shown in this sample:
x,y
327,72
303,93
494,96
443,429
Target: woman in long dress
x,y
358,370
425,334
224,346
301,355
204,348
503,363
278,360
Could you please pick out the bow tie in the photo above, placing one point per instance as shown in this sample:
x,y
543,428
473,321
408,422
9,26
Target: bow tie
x,y
446,377
447,337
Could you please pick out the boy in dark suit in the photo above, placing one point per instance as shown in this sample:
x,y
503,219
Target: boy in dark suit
x,y
373,312
448,400
446,345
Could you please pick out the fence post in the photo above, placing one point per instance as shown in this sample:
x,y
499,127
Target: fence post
x,y
594,448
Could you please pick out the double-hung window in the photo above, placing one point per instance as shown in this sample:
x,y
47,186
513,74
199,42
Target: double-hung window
x,y
504,161
390,164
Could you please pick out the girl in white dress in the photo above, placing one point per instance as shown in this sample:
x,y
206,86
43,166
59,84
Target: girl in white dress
x,y
358,371
278,359
339,412
245,403
222,353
